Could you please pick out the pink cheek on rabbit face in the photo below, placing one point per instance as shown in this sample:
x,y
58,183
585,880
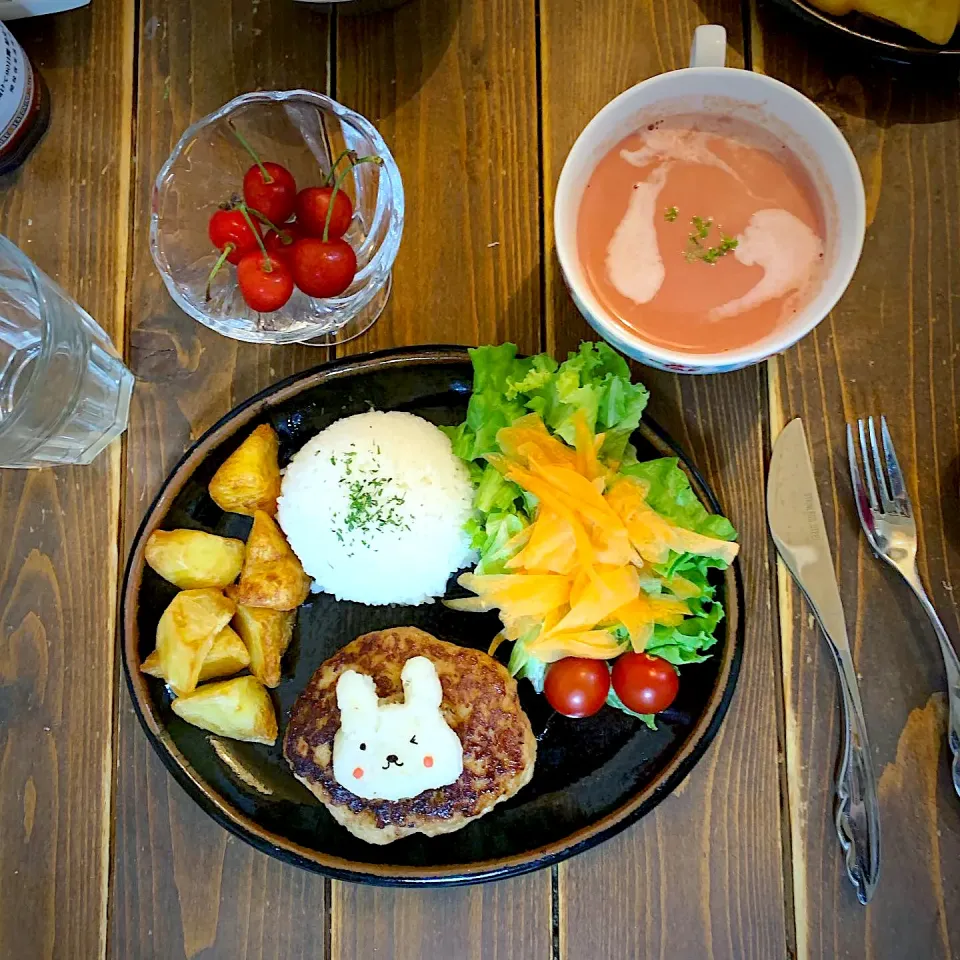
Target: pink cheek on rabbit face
x,y
428,761
358,771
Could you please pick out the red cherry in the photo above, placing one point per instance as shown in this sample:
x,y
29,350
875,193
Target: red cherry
x,y
270,189
323,268
265,282
312,205
230,227
281,244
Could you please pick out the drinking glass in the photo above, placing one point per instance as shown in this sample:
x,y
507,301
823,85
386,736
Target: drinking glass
x,y
305,131
64,391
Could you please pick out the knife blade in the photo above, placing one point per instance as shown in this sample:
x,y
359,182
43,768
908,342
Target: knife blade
x,y
796,523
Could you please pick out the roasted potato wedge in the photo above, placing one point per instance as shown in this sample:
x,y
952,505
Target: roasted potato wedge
x,y
249,479
227,656
186,632
192,559
152,666
240,709
272,575
266,634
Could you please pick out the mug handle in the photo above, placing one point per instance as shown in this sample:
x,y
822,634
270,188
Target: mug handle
x,y
709,47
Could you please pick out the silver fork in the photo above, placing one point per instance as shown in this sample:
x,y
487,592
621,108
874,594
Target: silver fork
x,y
887,519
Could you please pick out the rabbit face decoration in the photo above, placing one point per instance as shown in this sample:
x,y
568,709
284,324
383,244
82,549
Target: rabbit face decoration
x,y
397,750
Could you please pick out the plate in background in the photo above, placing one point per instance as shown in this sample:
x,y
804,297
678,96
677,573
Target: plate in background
x,y
593,777
877,37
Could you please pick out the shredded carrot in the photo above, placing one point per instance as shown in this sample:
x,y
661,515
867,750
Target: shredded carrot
x,y
587,446
593,644
596,601
494,643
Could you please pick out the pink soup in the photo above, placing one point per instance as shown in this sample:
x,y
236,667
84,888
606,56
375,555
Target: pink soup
x,y
701,234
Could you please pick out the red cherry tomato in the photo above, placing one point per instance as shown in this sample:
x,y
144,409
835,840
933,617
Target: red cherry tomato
x,y
265,290
230,227
312,205
577,687
282,246
274,198
645,684
323,268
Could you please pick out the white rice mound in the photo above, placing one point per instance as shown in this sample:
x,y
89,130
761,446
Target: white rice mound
x,y
374,507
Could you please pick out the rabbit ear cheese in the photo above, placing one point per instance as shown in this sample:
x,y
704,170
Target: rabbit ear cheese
x,y
394,751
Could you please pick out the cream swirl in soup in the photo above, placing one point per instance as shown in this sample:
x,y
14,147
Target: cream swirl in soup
x,y
701,234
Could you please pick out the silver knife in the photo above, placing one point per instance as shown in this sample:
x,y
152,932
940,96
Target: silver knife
x,y
796,522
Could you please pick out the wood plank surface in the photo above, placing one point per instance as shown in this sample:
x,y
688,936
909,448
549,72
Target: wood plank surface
x,y
456,90
183,887
702,875
66,209
452,87
889,347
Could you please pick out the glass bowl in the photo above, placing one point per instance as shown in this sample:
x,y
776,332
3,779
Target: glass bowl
x,y
304,131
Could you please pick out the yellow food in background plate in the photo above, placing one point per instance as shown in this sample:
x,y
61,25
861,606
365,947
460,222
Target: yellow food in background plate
x,y
191,559
266,634
240,709
934,20
249,479
186,632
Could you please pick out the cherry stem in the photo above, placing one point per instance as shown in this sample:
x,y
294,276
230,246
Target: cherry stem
x,y
264,220
228,248
336,163
353,163
245,211
253,153
286,238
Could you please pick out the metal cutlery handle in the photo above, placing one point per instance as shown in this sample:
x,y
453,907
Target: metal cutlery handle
x,y
952,667
858,811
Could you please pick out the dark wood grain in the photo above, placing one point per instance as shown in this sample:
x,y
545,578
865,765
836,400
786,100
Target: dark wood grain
x,y
889,347
452,87
702,875
66,208
182,886
509,920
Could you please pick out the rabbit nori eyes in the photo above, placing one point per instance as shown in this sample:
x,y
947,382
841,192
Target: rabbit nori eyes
x,y
394,751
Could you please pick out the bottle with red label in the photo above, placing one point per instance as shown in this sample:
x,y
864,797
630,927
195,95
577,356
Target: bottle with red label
x,y
24,103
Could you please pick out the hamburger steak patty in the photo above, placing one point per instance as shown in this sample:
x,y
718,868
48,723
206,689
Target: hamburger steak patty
x,y
480,704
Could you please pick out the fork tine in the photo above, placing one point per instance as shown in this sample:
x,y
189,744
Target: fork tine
x,y
881,474
868,473
894,474
860,496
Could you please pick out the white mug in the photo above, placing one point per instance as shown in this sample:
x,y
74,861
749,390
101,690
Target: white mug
x,y
708,87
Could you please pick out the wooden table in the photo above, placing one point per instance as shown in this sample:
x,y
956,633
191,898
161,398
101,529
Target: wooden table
x,y
102,854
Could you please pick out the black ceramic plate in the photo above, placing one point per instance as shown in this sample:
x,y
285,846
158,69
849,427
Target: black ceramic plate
x,y
876,36
592,777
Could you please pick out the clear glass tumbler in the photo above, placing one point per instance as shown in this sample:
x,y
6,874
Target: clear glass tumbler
x,y
64,391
